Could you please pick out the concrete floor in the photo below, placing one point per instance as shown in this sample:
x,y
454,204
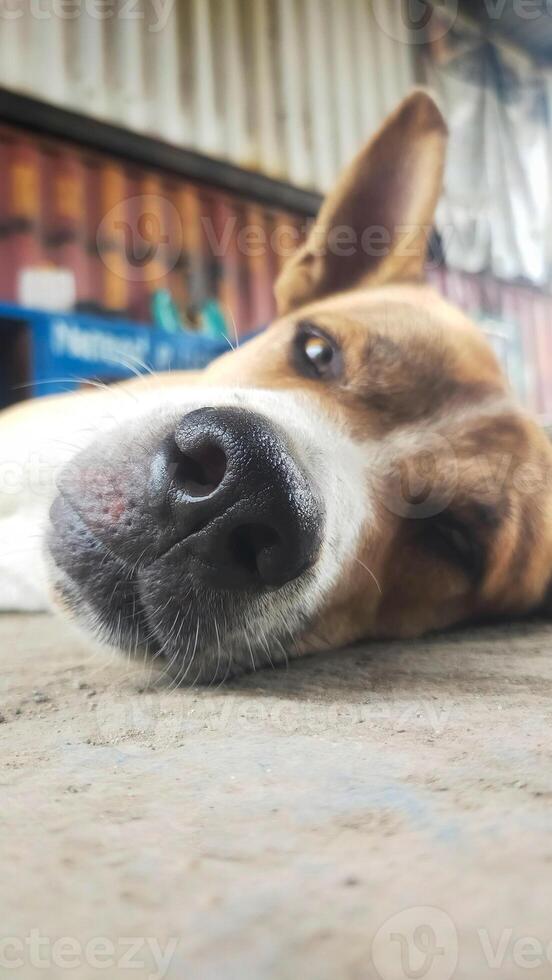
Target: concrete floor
x,y
384,812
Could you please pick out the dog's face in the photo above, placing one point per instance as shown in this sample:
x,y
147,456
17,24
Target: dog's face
x,y
358,470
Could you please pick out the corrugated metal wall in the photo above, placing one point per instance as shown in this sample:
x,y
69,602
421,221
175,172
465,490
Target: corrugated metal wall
x,y
291,87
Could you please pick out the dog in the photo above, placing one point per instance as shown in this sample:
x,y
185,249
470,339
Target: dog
x,y
359,470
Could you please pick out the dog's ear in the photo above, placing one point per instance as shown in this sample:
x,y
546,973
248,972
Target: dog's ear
x,y
374,227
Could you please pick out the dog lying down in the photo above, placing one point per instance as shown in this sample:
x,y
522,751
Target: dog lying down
x,y
358,470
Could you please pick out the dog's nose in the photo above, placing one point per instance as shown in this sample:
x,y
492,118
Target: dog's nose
x,y
242,507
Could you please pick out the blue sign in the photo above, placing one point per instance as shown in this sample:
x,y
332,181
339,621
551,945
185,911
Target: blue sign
x,y
68,349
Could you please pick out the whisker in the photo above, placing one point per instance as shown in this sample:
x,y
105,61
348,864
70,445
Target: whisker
x,y
230,316
88,382
253,664
370,573
127,361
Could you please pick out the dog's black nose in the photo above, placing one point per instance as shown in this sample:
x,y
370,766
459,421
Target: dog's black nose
x,y
238,500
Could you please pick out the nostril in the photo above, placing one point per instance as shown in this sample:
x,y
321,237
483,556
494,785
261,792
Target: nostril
x,y
249,544
199,471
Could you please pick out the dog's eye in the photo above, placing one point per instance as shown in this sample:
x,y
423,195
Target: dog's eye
x,y
319,352
316,354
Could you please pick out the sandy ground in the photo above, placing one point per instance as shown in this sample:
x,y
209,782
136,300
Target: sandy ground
x,y
382,812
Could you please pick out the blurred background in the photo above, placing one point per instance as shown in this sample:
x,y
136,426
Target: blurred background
x,y
160,159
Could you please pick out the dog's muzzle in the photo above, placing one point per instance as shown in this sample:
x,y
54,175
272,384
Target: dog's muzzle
x,y
198,522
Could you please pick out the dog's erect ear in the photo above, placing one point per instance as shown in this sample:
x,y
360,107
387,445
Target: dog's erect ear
x,y
374,227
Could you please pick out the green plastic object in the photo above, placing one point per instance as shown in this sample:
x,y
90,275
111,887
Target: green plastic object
x,y
213,320
164,312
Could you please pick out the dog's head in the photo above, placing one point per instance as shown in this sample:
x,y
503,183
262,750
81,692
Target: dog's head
x,y
357,470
